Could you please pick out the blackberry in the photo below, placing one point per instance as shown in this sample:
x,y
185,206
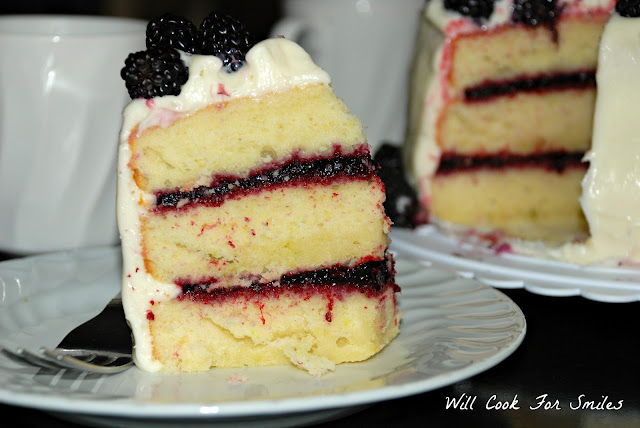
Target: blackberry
x,y
154,73
476,9
536,12
628,8
171,31
226,38
401,204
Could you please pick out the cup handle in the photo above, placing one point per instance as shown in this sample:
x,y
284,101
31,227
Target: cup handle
x,y
289,27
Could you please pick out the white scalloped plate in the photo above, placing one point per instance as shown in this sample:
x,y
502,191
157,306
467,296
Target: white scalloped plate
x,y
452,329
507,270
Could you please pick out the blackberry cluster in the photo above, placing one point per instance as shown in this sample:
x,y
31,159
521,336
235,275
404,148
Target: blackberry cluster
x,y
536,12
401,204
628,8
159,71
479,10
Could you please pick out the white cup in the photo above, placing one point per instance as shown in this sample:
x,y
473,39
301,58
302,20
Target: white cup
x,y
61,100
366,47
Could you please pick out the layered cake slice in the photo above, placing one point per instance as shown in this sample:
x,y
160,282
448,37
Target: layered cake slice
x,y
251,215
501,112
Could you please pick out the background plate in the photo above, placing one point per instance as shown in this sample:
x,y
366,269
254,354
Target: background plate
x,y
452,328
507,270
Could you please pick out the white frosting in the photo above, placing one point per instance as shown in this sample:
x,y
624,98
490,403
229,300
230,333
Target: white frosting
x,y
272,65
611,187
426,99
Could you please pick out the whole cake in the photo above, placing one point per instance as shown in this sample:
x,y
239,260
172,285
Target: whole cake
x,y
611,197
501,113
250,212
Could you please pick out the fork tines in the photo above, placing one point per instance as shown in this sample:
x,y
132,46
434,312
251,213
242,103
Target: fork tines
x,y
80,360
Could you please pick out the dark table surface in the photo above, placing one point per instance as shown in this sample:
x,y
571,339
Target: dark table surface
x,y
578,358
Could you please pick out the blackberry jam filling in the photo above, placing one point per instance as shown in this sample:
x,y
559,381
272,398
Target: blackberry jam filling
x,y
559,81
296,171
371,276
554,161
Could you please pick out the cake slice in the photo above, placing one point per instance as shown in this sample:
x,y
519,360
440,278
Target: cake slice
x,y
250,212
501,112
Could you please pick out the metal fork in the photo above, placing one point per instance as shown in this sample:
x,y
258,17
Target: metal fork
x,y
101,345
74,359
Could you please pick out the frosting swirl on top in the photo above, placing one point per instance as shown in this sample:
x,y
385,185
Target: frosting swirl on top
x,y
272,65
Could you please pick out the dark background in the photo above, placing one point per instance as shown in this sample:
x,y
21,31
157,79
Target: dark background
x,y
257,15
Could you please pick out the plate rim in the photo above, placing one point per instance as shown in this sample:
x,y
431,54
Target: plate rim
x,y
276,406
429,245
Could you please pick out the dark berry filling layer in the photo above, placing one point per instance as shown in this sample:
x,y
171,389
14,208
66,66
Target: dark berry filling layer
x,y
553,161
368,277
359,165
557,81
